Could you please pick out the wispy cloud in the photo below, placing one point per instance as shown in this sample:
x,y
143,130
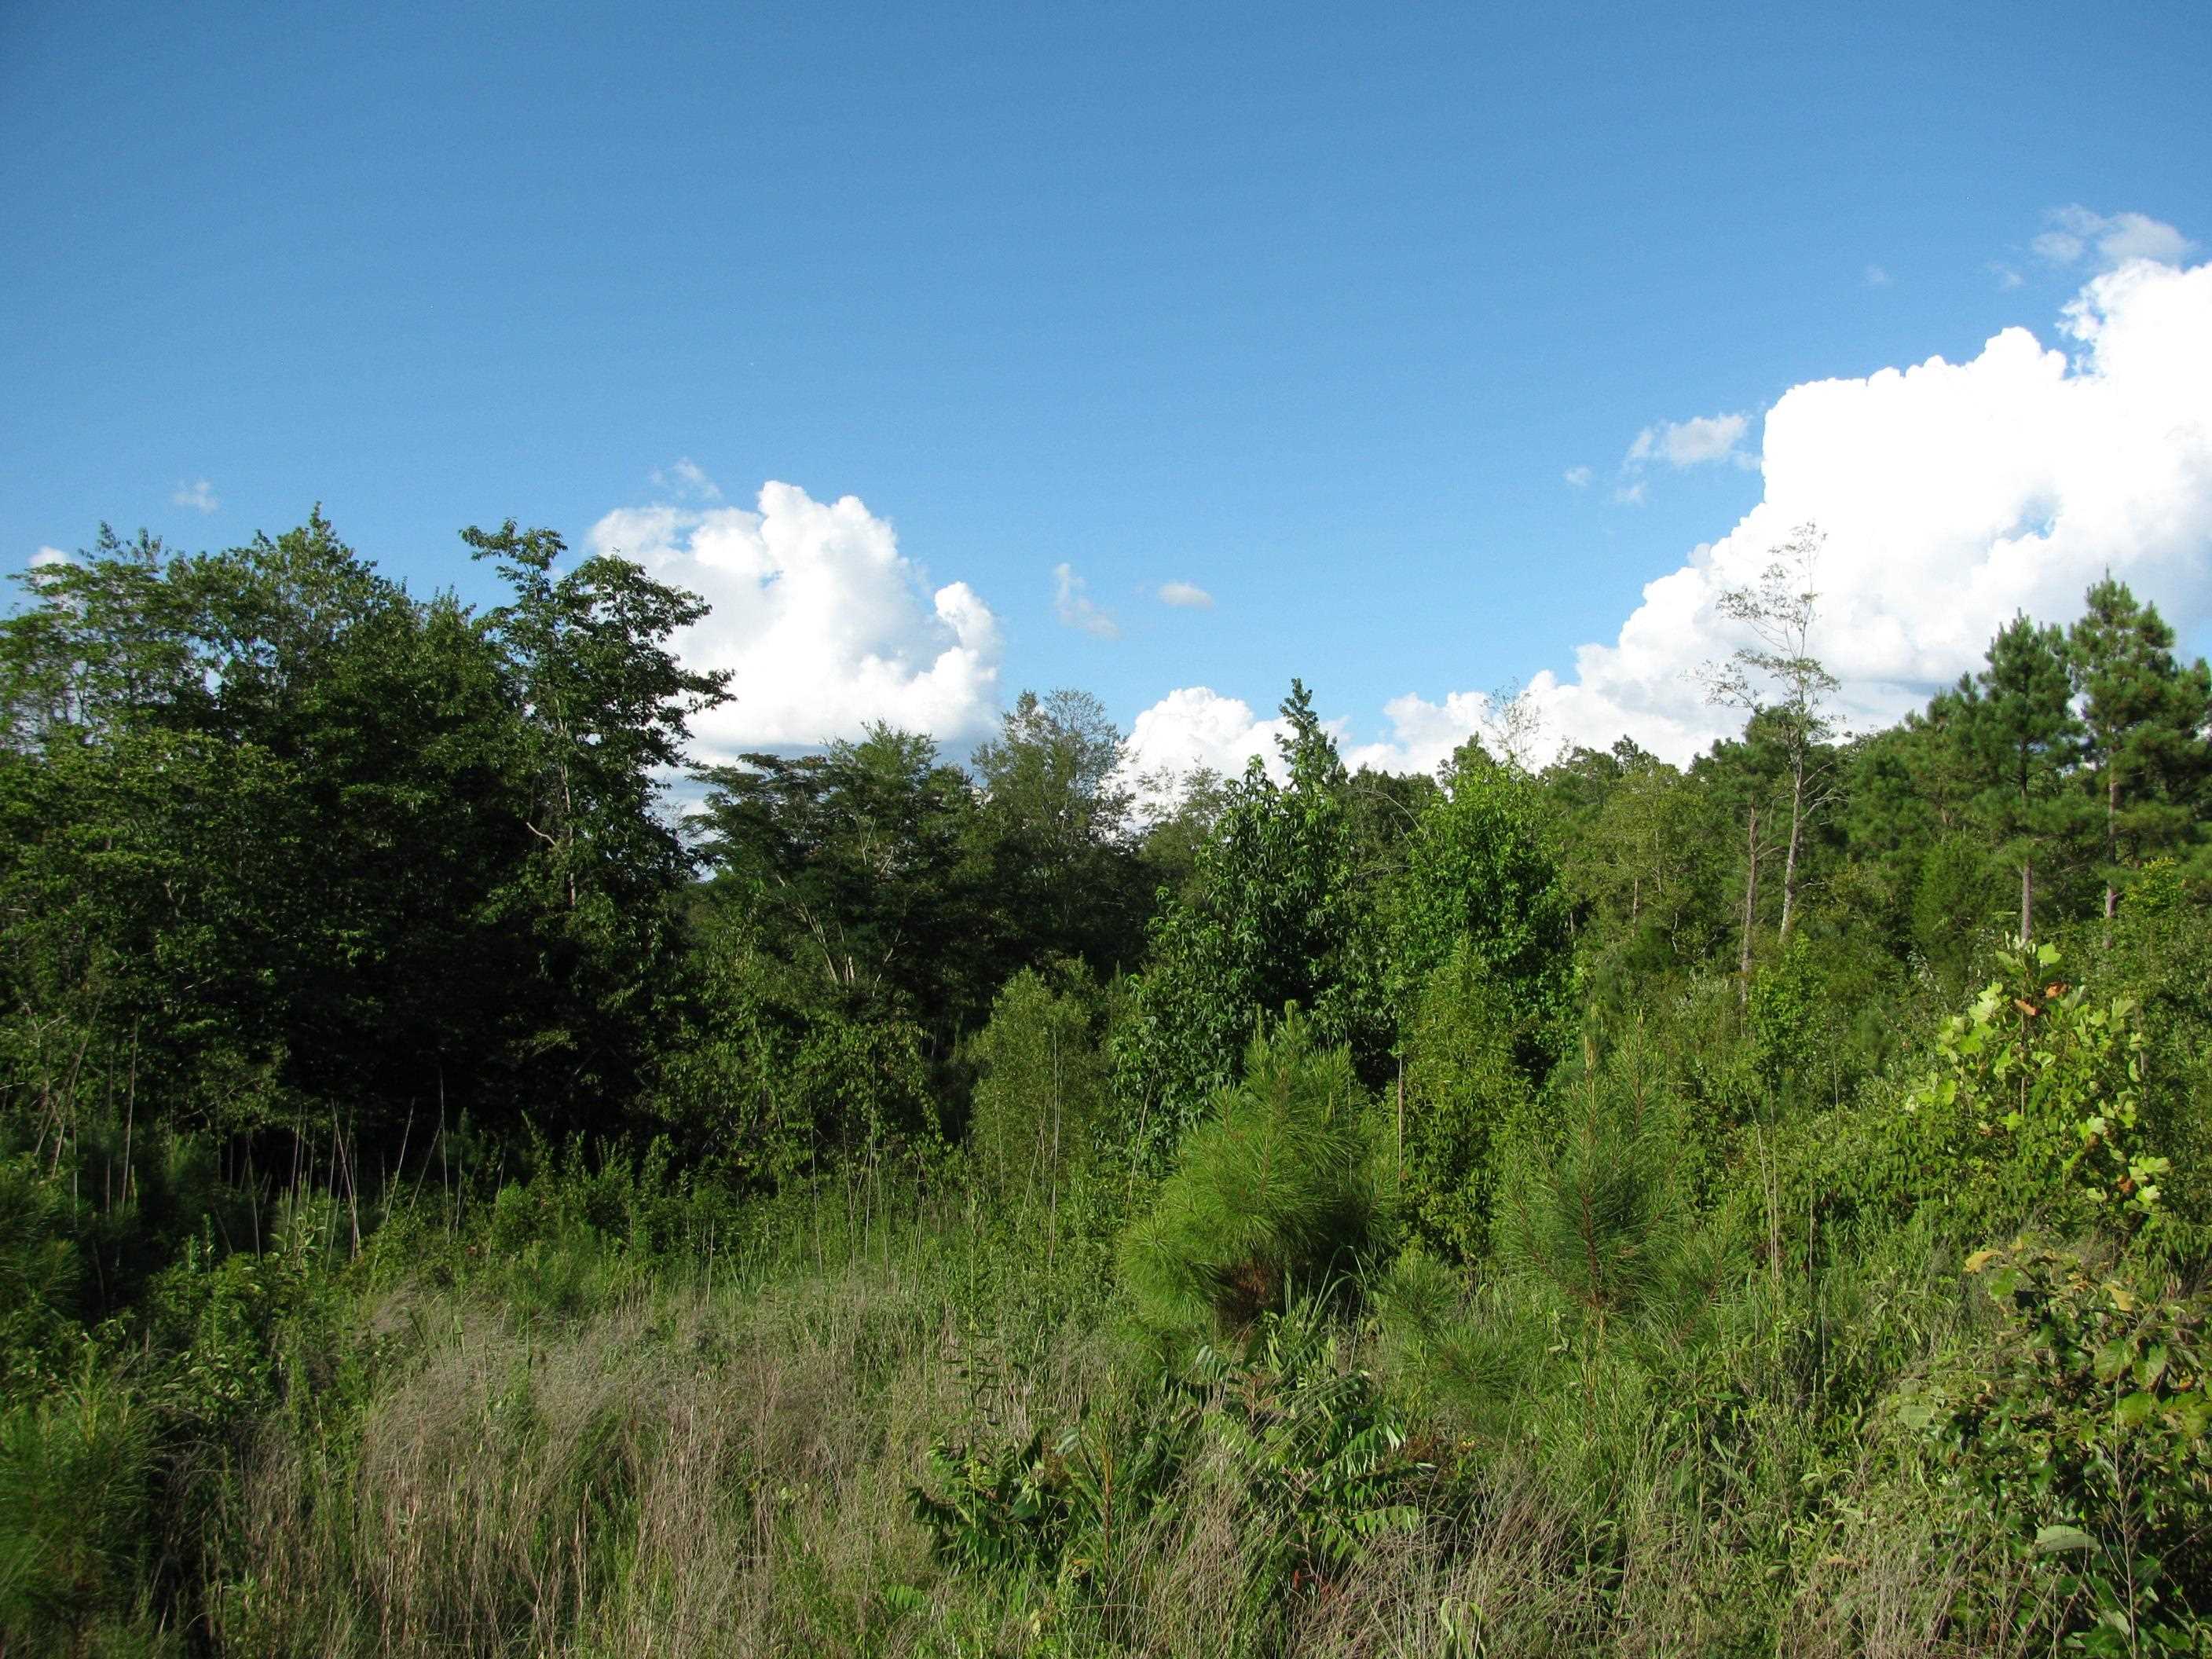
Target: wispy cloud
x,y
1692,442
2008,279
687,478
199,494
1877,278
1185,596
1076,609
1579,477
2109,240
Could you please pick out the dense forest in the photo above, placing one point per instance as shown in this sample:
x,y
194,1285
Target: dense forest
x,y
470,1183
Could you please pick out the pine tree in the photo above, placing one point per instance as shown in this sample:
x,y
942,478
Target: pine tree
x,y
2144,716
2026,742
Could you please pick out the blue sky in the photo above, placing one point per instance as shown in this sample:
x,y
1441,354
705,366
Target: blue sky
x,y
1310,308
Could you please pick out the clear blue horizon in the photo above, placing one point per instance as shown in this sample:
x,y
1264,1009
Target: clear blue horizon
x,y
1313,312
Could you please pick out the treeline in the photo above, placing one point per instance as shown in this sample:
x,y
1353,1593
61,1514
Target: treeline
x,y
1572,1124
285,842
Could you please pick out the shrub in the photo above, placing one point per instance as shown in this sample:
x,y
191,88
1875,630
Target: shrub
x,y
1279,1187
1042,1088
2033,1106
1463,1092
2084,1431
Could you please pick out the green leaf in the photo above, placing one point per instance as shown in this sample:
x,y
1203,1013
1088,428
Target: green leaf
x,y
2152,1365
2134,1410
2113,1358
2060,1540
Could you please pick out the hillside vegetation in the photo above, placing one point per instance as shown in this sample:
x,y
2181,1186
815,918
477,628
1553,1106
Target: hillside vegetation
x,y
449,1206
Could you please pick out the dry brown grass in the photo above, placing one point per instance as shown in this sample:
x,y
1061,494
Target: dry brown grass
x,y
677,1474
686,1474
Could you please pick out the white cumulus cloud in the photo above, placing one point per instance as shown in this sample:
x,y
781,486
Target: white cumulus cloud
x,y
199,494
825,625
48,556
1072,604
1195,727
2110,239
1952,496
1186,596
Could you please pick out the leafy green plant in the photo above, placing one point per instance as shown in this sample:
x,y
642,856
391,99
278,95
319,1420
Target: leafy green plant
x,y
1463,1095
2035,1102
2084,1431
1322,1462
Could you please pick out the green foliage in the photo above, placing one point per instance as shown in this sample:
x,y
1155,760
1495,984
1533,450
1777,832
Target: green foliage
x,y
2144,717
2084,1430
1477,872
41,1276
1313,1464
2033,1105
1041,1088
1320,1459
1466,1097
856,867
2025,739
77,1471
1952,904
1599,1215
1278,1191
1055,810
1273,914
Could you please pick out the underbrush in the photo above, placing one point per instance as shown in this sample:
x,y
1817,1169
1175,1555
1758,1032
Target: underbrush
x,y
1253,1406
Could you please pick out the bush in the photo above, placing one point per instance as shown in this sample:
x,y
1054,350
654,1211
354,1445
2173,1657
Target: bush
x,y
1042,1089
1279,1187
77,1477
2084,1431
2033,1106
1463,1094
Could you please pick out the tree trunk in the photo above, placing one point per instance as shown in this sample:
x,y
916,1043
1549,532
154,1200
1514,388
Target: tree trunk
x,y
1750,903
1790,859
2111,846
2026,900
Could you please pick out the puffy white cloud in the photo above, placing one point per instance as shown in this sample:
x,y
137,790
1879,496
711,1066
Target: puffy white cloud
x,y
1952,494
1072,603
48,556
1579,477
1194,726
825,625
2113,239
1186,596
199,494
1692,442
